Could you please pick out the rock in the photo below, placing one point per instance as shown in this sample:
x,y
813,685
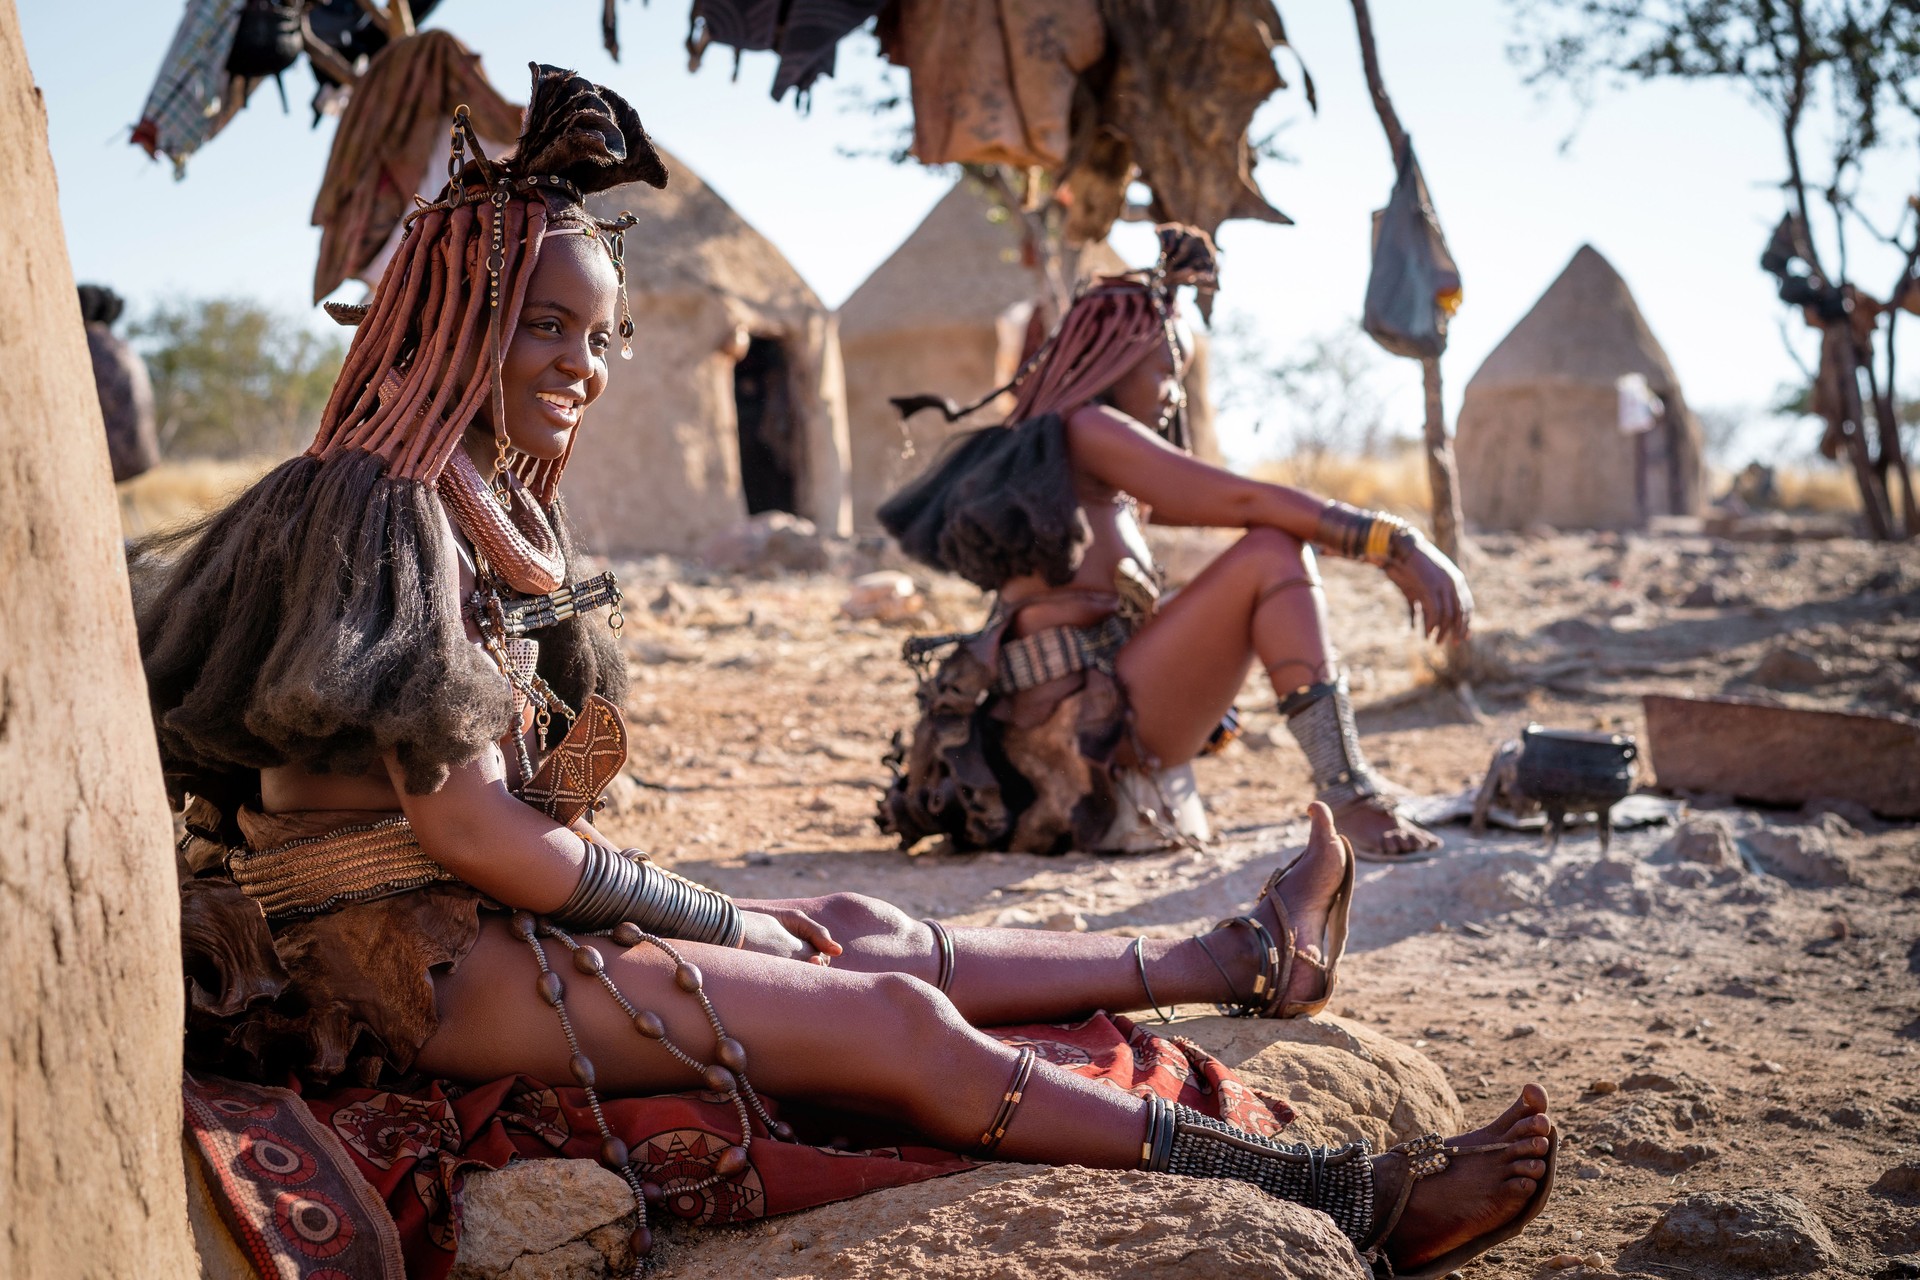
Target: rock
x,y
1761,1232
532,1221
1345,1081
769,543
1704,838
1802,854
1901,1180
1027,1222
887,596
1603,1087
1065,922
1651,1080
1787,667
1714,595
674,604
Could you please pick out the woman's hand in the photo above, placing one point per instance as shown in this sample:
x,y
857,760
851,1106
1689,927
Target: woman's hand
x,y
787,932
1434,585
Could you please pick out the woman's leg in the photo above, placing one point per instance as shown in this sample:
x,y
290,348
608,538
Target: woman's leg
x,y
1003,976
883,1044
1260,600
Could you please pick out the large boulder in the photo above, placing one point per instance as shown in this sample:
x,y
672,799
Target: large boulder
x,y
568,1220
1029,1222
1346,1082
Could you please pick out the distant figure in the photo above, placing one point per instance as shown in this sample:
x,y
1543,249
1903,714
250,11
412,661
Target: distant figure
x,y
120,378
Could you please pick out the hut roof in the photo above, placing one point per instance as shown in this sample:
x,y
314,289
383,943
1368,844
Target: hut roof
x,y
688,239
959,267
1586,329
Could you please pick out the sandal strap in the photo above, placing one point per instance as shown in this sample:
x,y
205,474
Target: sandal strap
x,y
1423,1157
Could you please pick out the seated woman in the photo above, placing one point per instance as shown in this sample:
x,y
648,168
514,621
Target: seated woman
x,y
1048,729
346,679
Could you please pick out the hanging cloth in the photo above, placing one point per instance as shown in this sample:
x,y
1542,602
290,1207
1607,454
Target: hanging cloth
x,y
805,33
1175,97
394,126
193,97
993,80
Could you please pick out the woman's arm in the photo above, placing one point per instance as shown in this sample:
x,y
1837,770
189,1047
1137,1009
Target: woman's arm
x,y
1182,490
491,839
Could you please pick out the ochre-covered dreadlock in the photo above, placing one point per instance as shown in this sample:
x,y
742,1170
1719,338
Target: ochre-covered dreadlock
x,y
315,620
999,501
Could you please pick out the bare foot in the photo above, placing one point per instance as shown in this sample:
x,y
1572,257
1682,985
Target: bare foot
x,y
1477,1193
1374,827
1308,892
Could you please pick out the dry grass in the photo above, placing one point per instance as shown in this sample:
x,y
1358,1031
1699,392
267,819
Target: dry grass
x,y
1827,489
1395,482
176,491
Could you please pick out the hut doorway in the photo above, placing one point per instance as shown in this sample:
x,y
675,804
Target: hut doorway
x,y
770,437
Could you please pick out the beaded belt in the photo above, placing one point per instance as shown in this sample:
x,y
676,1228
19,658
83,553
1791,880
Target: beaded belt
x,y
315,874
1047,655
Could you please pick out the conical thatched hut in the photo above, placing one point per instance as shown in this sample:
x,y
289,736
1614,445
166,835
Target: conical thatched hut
x,y
947,314
733,402
1540,437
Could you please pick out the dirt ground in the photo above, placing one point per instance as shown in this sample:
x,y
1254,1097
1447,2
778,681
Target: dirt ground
x,y
1716,1026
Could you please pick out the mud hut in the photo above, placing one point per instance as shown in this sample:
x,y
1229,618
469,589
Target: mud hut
x,y
1546,434
733,402
947,314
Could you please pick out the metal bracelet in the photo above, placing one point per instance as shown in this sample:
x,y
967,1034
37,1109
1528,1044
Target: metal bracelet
x,y
615,888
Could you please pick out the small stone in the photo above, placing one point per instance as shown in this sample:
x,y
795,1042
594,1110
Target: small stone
x,y
1522,1031
1759,1232
1801,854
886,596
1065,922
1604,1087
1787,667
1901,1180
1562,1261
1706,839
1651,1080
1768,1068
1660,1024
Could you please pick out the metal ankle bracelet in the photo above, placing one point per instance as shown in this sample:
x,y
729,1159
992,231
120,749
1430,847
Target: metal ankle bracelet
x,y
1320,718
1009,1103
1337,1181
626,886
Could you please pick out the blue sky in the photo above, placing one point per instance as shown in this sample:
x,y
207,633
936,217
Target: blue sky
x,y
1675,184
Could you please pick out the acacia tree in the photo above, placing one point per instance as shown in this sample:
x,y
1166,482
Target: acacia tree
x,y
1841,79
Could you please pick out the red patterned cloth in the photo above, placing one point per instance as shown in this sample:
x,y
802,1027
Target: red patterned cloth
x,y
413,1150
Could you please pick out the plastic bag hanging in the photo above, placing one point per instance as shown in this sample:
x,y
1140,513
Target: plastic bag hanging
x,y
1415,287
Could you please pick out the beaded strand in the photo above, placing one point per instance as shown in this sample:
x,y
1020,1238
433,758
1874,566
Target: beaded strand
x,y
725,1076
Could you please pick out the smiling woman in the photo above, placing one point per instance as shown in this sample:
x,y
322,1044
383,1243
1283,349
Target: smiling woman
x,y
355,670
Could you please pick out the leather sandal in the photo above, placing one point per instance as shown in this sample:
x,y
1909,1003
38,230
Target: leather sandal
x,y
1277,960
1422,1158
